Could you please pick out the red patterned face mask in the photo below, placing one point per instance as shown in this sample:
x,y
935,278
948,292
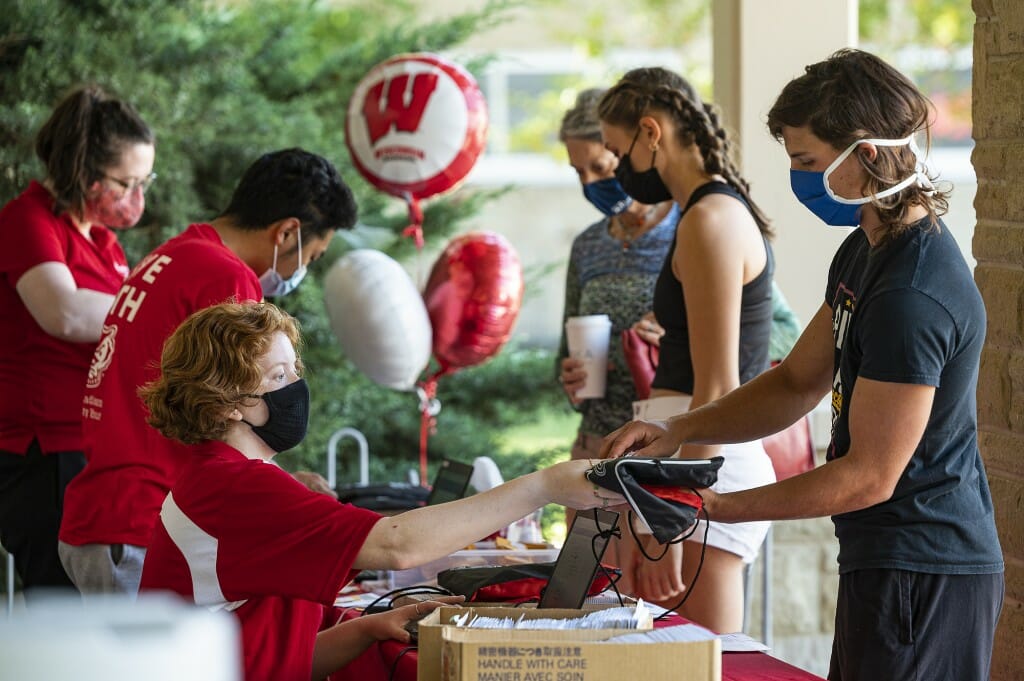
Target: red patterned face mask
x,y
115,208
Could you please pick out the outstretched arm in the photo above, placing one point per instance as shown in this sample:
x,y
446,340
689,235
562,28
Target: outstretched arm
x,y
425,534
887,421
765,405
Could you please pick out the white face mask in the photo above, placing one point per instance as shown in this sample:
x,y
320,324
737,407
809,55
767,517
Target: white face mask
x,y
920,177
273,284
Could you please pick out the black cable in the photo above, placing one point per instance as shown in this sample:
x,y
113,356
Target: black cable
x,y
394,665
607,536
677,540
390,596
700,563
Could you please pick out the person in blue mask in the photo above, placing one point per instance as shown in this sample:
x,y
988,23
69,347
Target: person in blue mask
x,y
281,216
897,345
612,268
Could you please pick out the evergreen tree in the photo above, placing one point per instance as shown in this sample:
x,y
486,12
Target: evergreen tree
x,y
222,83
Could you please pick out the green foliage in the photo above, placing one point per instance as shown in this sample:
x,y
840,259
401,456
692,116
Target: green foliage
x,y
946,24
220,84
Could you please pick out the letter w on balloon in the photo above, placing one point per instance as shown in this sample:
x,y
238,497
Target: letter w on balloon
x,y
404,106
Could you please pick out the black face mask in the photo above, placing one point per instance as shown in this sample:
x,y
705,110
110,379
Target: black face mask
x,y
289,416
645,187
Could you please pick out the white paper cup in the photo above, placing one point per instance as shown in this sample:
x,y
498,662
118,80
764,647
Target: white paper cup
x,y
588,338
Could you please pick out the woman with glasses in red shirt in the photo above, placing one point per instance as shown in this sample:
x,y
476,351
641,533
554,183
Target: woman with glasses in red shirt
x,y
60,267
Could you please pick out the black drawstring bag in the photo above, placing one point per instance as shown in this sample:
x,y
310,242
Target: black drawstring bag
x,y
656,489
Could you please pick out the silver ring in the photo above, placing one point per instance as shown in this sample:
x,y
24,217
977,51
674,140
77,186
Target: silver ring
x,y
416,606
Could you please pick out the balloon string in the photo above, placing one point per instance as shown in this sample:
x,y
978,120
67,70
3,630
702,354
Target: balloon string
x,y
430,406
415,227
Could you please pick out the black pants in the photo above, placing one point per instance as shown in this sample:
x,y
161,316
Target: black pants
x,y
31,502
893,624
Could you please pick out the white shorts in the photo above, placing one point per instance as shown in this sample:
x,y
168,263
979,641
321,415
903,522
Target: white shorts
x,y
746,465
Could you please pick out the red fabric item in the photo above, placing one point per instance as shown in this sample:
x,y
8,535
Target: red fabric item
x,y
528,589
791,450
241,533
43,376
131,467
677,494
642,360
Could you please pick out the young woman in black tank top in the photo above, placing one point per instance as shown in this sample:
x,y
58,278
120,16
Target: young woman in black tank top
x,y
713,298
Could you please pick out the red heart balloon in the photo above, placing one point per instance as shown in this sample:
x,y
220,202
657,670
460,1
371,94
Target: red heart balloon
x,y
473,297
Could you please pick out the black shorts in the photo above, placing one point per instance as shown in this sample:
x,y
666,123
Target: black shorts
x,y
894,624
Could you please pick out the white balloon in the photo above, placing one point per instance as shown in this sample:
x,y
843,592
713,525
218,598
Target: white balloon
x,y
379,317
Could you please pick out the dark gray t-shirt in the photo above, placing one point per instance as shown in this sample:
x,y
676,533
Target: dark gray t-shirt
x,y
910,312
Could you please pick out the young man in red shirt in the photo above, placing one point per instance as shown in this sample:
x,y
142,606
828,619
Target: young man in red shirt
x,y
282,216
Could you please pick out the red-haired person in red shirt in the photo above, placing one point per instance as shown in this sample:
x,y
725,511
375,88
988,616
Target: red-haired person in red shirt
x,y
60,267
237,534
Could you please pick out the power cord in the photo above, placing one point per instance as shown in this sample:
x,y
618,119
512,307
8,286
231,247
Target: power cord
x,y
700,563
387,601
606,535
394,665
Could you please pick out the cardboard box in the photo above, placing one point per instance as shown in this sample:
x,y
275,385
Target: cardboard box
x,y
433,626
572,655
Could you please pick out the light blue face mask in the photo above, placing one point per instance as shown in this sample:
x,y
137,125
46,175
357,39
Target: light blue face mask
x,y
812,188
274,285
607,196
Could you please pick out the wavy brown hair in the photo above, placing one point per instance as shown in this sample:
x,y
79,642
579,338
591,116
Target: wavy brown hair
x,y
645,90
854,95
86,134
210,366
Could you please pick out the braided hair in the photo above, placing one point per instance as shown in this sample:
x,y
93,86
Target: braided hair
x,y
653,88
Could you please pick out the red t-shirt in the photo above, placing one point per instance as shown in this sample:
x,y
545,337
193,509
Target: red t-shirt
x,y
131,466
42,376
243,535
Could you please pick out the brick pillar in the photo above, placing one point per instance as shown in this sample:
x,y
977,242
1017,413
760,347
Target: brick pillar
x,y
999,248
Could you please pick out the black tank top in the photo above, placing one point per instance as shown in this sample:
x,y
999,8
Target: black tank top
x,y
675,366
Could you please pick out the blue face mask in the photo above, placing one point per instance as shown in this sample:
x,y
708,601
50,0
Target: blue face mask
x,y
607,196
809,188
274,285
812,189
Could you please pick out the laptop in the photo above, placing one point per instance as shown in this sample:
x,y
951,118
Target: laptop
x,y
578,560
450,483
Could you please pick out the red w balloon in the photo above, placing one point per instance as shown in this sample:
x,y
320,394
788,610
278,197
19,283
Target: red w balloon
x,y
416,125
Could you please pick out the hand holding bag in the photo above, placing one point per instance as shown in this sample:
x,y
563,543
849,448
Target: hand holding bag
x,y
656,489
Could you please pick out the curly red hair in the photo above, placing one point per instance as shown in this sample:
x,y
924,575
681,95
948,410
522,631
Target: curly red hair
x,y
209,365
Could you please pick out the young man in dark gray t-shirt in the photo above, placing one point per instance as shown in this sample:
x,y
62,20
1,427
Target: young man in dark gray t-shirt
x,y
897,343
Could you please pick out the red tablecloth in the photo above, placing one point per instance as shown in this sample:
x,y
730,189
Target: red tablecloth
x,y
393,661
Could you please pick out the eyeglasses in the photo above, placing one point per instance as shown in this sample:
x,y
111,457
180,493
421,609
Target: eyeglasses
x,y
132,185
